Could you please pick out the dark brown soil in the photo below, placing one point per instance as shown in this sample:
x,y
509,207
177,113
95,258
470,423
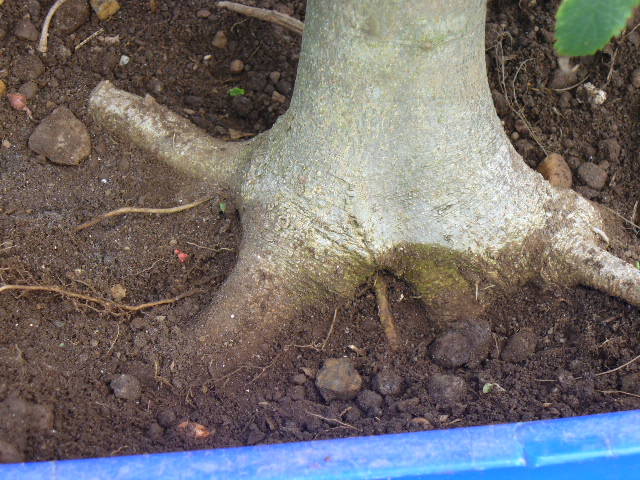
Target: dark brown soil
x,y
58,355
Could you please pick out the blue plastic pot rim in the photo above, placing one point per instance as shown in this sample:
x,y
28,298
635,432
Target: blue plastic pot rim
x,y
596,447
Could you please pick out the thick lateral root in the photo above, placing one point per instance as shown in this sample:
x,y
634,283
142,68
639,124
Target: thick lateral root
x,y
597,268
252,308
170,137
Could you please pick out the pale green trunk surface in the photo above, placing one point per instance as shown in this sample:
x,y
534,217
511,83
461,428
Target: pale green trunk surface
x,y
390,158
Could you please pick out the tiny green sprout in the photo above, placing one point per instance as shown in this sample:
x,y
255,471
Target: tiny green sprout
x,y
223,206
487,387
638,264
235,92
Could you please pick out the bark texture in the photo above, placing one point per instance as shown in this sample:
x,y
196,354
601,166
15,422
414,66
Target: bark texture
x,y
390,158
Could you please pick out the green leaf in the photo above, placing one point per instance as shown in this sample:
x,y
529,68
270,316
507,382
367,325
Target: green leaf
x,y
487,387
235,92
585,26
223,206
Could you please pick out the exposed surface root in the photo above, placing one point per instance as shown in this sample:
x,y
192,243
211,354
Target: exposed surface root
x,y
599,269
251,308
109,305
44,36
126,210
170,137
384,312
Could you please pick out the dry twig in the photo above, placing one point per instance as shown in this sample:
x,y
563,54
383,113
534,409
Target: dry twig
x,y
44,36
333,322
620,367
622,392
88,39
126,210
331,420
278,18
384,312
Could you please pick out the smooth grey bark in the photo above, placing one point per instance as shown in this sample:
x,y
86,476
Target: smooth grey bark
x,y
170,137
390,158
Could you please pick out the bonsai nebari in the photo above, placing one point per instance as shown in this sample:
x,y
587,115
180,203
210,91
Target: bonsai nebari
x,y
391,158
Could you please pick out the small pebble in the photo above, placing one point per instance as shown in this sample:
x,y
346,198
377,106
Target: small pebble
x,y
28,89
278,97
387,382
635,78
521,127
26,30
126,386
28,67
421,423
520,347
62,138
219,40
369,401
203,13
284,87
237,66
105,8
555,170
298,379
274,76
609,149
71,16
9,453
408,404
592,175
338,380
447,389
466,342
242,105
167,418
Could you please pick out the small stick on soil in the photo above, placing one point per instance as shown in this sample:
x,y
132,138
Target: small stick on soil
x,y
215,250
126,210
113,344
44,36
619,368
101,301
566,89
330,420
272,16
619,215
619,391
333,322
384,312
88,39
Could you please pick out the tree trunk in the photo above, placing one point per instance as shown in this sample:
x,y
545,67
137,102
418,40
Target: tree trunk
x,y
390,158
